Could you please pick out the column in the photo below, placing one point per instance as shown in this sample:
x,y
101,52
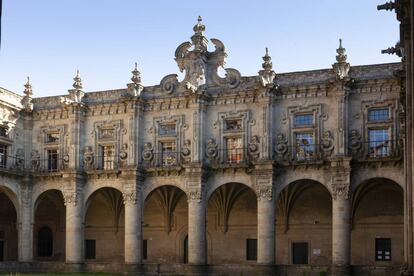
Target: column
x,y
196,229
133,228
341,231
25,236
265,227
74,228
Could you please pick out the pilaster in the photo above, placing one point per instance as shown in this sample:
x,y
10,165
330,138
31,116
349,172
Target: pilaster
x,y
73,199
265,214
341,208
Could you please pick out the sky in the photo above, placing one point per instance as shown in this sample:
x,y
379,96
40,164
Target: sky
x,y
49,40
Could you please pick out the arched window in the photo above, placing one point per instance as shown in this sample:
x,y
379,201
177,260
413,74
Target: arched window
x,y
44,242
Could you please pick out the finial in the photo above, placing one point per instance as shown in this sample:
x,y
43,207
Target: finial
x,y
267,64
78,81
341,67
28,88
341,57
136,75
267,75
199,28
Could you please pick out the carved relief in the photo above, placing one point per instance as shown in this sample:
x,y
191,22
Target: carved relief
x,y
148,152
253,147
186,150
355,141
70,197
35,160
327,142
123,155
212,149
88,157
130,197
264,192
281,148
19,159
169,83
340,186
194,196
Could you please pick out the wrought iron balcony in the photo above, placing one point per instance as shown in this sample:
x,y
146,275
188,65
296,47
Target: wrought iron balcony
x,y
235,157
49,165
302,154
381,149
102,163
167,159
11,163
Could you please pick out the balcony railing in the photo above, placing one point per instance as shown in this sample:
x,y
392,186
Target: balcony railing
x,y
164,160
8,162
234,156
381,148
48,165
102,163
306,153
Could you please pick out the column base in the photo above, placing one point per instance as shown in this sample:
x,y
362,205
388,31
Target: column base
x,y
341,270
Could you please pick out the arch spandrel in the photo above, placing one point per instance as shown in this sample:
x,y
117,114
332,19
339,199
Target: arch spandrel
x,y
363,175
219,180
152,184
91,188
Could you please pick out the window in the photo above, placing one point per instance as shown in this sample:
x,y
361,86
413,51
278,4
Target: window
x,y
300,253
52,138
44,242
168,154
108,157
251,249
303,120
304,146
382,249
167,129
3,131
378,114
144,249
234,124
52,160
379,143
3,156
234,150
90,249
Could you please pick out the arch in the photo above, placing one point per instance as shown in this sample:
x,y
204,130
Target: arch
x,y
40,189
92,188
365,187
49,224
8,226
218,182
148,190
12,196
304,215
104,220
293,176
377,217
361,176
90,196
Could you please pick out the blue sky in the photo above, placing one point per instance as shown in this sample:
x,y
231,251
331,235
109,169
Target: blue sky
x,y
49,39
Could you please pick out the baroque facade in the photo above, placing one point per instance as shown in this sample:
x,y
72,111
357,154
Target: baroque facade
x,y
275,173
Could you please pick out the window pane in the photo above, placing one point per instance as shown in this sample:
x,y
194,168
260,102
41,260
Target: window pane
x,y
52,160
168,154
108,157
378,114
3,156
304,120
234,150
3,132
251,249
52,138
383,249
305,146
379,144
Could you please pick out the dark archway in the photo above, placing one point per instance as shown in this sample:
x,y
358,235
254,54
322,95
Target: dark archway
x,y
8,229
45,242
377,220
232,224
304,224
104,226
49,226
165,224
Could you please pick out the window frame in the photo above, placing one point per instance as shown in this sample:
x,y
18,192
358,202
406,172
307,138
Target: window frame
x,y
377,259
378,108
300,114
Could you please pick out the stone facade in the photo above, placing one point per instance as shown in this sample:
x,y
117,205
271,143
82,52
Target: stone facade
x,y
271,173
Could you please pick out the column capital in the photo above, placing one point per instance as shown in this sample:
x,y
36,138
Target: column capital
x,y
264,186
340,186
129,197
